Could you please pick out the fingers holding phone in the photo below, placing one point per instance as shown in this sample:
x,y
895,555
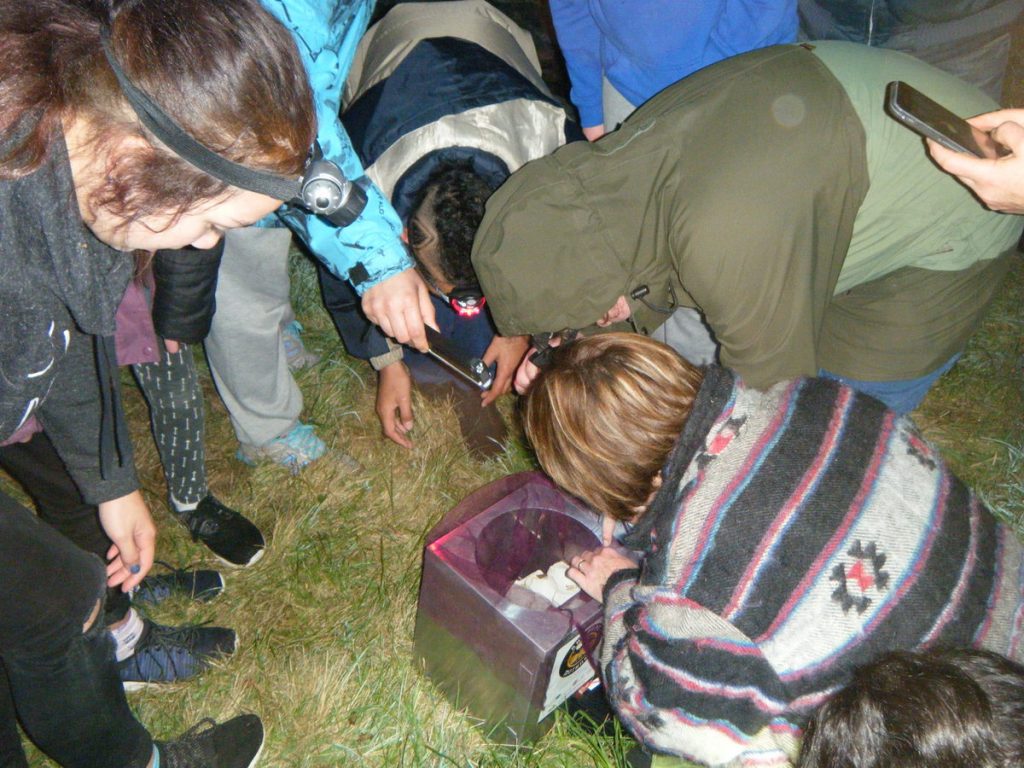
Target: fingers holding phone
x,y
986,152
933,121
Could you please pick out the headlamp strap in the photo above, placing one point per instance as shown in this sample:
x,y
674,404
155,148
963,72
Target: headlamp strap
x,y
187,148
323,189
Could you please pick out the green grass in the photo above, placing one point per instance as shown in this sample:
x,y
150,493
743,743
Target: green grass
x,y
326,618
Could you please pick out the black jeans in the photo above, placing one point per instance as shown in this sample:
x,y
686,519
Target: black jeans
x,y
38,468
62,682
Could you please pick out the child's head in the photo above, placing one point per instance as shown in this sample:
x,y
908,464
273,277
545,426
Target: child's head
x,y
446,215
938,709
227,72
605,414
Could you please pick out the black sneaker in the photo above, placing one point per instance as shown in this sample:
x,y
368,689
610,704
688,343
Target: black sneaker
x,y
638,757
591,710
172,654
232,538
202,585
234,744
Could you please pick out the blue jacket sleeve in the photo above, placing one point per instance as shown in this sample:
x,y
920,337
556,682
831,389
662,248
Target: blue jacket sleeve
x,y
580,41
327,34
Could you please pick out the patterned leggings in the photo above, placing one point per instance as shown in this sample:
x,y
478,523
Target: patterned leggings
x,y
175,398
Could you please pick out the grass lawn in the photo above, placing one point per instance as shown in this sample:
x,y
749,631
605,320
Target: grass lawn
x,y
325,620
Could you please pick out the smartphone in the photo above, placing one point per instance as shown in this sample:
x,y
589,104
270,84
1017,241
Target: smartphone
x,y
927,118
472,369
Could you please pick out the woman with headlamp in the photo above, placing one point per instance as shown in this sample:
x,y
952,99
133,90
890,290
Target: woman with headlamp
x,y
89,172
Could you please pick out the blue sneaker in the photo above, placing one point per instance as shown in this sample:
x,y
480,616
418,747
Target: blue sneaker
x,y
202,585
172,654
295,352
295,449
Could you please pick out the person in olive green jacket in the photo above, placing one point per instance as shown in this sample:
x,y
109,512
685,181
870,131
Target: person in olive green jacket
x,y
772,193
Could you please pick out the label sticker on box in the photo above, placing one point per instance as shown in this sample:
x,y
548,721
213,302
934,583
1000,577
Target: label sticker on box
x,y
570,672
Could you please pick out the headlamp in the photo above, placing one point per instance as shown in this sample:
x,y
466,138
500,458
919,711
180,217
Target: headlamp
x,y
467,302
322,189
325,191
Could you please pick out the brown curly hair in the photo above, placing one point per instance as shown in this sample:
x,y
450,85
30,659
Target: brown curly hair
x,y
605,414
227,72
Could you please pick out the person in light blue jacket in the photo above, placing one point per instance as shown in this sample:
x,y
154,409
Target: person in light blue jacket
x,y
253,342
619,54
369,250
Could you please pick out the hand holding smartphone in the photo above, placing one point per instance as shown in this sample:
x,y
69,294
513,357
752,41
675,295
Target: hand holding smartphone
x,y
931,120
471,369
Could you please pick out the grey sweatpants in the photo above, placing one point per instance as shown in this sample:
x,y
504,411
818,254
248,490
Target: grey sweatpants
x,y
245,349
686,332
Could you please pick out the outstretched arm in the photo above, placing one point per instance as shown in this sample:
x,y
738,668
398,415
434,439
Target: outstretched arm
x,y
368,252
127,522
580,42
394,403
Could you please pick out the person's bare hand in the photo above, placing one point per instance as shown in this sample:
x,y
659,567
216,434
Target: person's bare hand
x,y
608,524
594,132
618,313
126,520
591,570
992,120
394,403
999,182
525,375
527,371
401,306
508,352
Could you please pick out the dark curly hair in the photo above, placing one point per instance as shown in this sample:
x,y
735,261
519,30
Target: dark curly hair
x,y
945,708
446,216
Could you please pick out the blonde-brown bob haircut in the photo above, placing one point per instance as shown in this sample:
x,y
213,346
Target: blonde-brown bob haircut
x,y
606,413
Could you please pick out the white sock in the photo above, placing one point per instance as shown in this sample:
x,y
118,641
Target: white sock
x,y
180,506
126,636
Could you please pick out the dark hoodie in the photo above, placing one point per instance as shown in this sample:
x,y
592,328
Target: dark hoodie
x,y
59,292
970,38
737,191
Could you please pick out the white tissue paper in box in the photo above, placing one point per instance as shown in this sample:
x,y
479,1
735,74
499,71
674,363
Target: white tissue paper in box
x,y
555,586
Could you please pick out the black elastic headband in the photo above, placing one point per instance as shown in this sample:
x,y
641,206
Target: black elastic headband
x,y
187,148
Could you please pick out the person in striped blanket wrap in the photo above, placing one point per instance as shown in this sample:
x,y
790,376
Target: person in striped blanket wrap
x,y
787,536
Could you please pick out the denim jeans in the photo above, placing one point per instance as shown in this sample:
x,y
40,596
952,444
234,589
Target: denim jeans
x,y
900,396
61,681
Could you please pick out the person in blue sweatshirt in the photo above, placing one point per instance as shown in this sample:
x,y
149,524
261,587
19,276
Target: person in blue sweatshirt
x,y
620,54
